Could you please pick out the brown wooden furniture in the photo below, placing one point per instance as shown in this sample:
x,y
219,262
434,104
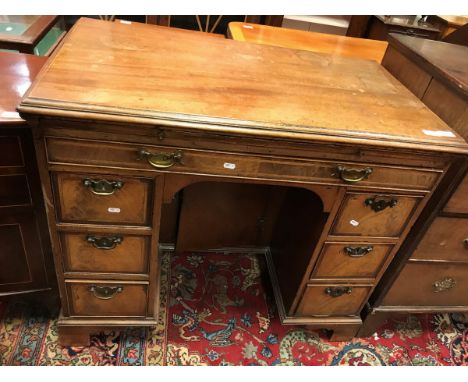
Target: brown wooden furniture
x,y
211,24
458,37
448,24
311,41
431,271
25,255
24,33
380,27
119,132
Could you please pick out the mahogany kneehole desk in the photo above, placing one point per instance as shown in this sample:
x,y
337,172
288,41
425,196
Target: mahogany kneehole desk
x,y
334,160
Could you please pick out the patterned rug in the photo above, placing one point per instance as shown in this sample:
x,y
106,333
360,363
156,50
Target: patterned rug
x,y
217,310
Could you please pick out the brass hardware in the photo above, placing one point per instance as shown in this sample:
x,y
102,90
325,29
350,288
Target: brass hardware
x,y
353,175
103,242
102,187
380,202
466,243
105,292
358,251
444,284
161,160
338,291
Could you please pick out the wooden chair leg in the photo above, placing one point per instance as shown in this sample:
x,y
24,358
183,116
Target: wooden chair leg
x,y
371,323
344,333
74,336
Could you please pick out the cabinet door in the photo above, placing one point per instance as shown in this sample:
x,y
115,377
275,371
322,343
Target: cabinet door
x,y
21,257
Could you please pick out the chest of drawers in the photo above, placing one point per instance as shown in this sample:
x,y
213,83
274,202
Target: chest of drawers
x,y
344,190
431,273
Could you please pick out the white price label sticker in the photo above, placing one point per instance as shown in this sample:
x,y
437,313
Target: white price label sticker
x,y
439,133
354,223
230,166
9,114
113,210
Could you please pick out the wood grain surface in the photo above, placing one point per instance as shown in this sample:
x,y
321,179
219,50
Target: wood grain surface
x,y
158,75
310,41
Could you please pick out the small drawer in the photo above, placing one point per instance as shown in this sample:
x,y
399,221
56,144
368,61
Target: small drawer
x,y
458,202
446,239
351,260
379,215
105,253
191,161
107,299
333,300
422,284
88,198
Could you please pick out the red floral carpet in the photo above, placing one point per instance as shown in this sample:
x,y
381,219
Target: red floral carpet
x,y
217,310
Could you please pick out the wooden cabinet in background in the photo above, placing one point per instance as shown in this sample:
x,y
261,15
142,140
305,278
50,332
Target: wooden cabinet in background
x,y
380,27
25,255
430,272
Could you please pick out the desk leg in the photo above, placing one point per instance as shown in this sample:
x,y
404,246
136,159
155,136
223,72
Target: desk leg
x,y
371,323
74,336
345,332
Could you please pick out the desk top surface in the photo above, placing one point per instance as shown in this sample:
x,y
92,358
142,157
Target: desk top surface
x,y
311,41
17,72
163,76
447,61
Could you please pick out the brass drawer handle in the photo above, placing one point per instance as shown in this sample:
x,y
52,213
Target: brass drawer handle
x,y
102,187
338,291
444,284
103,242
380,202
353,175
105,292
161,160
358,251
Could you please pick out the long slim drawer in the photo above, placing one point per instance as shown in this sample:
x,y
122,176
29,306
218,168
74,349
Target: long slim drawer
x,y
351,260
446,239
107,299
105,253
379,215
458,202
422,284
190,161
332,300
92,198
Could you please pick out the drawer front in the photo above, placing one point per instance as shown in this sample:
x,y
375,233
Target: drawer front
x,y
332,300
11,154
111,299
88,198
446,239
14,190
458,202
422,284
237,165
351,260
380,215
105,253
